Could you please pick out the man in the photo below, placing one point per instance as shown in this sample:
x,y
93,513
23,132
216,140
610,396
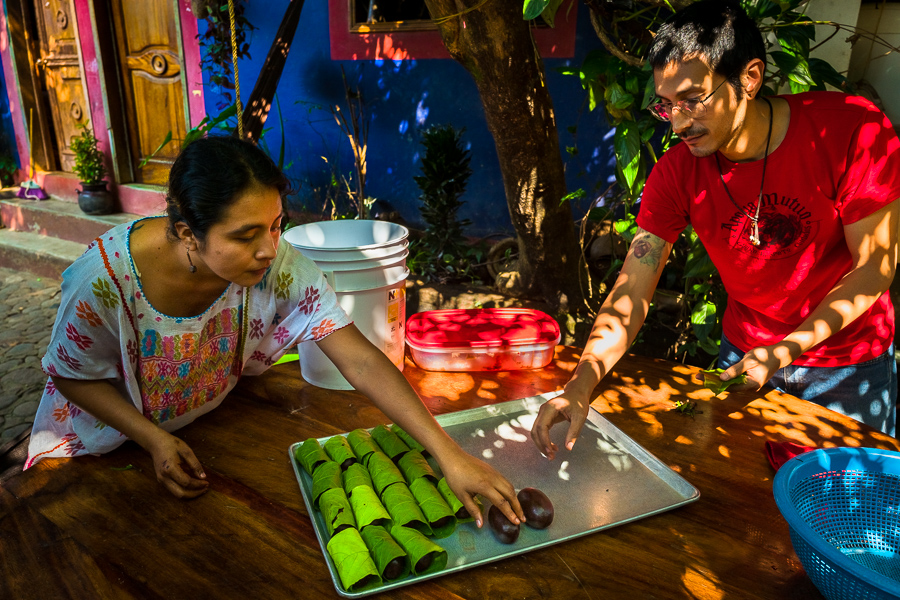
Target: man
x,y
796,200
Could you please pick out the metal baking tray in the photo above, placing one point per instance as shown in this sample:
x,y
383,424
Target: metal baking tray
x,y
606,480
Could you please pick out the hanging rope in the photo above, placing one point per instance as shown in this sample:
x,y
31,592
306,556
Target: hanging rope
x,y
234,64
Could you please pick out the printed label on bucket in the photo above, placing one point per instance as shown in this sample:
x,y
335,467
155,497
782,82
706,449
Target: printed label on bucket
x,y
396,316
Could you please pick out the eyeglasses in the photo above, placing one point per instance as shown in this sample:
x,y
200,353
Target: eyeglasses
x,y
692,107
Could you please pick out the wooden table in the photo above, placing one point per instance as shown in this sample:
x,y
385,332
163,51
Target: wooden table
x,y
85,528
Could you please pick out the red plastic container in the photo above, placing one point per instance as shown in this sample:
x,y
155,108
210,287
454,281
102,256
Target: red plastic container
x,y
482,339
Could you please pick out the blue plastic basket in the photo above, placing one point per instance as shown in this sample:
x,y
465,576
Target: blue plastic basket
x,y
843,509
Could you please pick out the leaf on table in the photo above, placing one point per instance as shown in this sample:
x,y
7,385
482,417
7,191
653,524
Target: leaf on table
x,y
712,382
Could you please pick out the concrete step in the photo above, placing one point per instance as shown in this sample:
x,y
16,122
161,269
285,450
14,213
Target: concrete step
x,y
57,219
39,254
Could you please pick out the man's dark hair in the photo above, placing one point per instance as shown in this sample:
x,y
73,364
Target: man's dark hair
x,y
718,32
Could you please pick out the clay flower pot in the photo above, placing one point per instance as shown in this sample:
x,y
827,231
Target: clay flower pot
x,y
95,199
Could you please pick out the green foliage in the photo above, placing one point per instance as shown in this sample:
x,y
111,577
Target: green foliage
x,y
621,82
88,158
216,45
445,174
8,168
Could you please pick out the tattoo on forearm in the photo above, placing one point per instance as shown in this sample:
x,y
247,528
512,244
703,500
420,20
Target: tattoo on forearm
x,y
647,248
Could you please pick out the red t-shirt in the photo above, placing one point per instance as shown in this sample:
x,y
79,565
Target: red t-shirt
x,y
838,163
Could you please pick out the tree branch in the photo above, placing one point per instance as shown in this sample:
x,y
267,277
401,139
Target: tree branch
x,y
609,45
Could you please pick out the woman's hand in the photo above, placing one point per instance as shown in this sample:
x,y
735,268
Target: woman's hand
x,y
176,466
467,476
567,407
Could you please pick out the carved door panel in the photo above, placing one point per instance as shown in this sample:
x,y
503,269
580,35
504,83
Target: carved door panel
x,y
61,71
149,61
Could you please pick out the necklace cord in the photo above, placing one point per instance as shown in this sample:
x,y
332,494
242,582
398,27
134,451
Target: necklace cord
x,y
754,219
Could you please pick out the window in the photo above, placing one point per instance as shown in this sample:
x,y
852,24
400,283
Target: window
x,y
362,30
390,15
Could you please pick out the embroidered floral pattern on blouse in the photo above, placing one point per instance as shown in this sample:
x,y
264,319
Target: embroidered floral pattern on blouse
x,y
281,334
65,411
261,357
282,287
64,356
310,302
84,311
105,293
73,444
132,350
82,341
256,329
323,329
182,372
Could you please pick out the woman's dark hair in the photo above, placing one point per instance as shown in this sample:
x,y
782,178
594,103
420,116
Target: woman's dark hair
x,y
209,175
719,32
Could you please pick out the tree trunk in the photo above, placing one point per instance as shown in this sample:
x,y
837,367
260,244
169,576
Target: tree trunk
x,y
495,46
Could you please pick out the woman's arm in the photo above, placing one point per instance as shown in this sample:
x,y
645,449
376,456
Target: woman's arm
x,y
370,372
615,328
170,455
873,245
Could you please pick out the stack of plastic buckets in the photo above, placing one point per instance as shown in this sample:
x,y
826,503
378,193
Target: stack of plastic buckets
x,y
365,264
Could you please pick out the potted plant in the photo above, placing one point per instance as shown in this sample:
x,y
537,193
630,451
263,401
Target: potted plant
x,y
93,198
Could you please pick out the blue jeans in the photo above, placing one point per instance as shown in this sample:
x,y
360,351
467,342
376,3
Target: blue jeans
x,y
866,391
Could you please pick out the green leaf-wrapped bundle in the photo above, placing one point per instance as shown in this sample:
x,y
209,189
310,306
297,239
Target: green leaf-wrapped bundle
x,y
384,472
336,510
326,476
350,555
355,476
436,510
362,443
390,559
340,451
368,509
413,465
310,455
712,382
459,510
389,442
404,509
408,439
424,555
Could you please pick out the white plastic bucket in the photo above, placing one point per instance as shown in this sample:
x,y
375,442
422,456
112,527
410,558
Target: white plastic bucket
x,y
348,239
365,264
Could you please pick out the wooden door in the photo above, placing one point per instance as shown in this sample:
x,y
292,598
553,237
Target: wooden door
x,y
60,71
150,66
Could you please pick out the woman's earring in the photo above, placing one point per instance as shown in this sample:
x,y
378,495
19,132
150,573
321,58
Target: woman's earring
x,y
192,268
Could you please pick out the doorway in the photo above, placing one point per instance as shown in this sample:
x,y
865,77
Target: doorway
x,y
141,68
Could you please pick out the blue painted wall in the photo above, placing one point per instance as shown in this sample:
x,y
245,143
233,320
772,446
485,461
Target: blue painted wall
x,y
7,133
403,98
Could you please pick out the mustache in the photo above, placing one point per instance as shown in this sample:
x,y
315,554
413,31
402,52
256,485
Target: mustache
x,y
692,132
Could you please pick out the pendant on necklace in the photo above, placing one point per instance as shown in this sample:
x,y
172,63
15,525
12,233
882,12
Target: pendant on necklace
x,y
754,236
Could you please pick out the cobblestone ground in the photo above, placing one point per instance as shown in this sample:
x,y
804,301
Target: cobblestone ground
x,y
28,305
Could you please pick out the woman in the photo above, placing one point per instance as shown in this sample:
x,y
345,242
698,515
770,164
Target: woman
x,y
160,317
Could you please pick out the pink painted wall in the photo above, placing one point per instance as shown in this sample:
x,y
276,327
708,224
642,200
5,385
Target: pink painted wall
x,y
20,120
193,74
90,70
